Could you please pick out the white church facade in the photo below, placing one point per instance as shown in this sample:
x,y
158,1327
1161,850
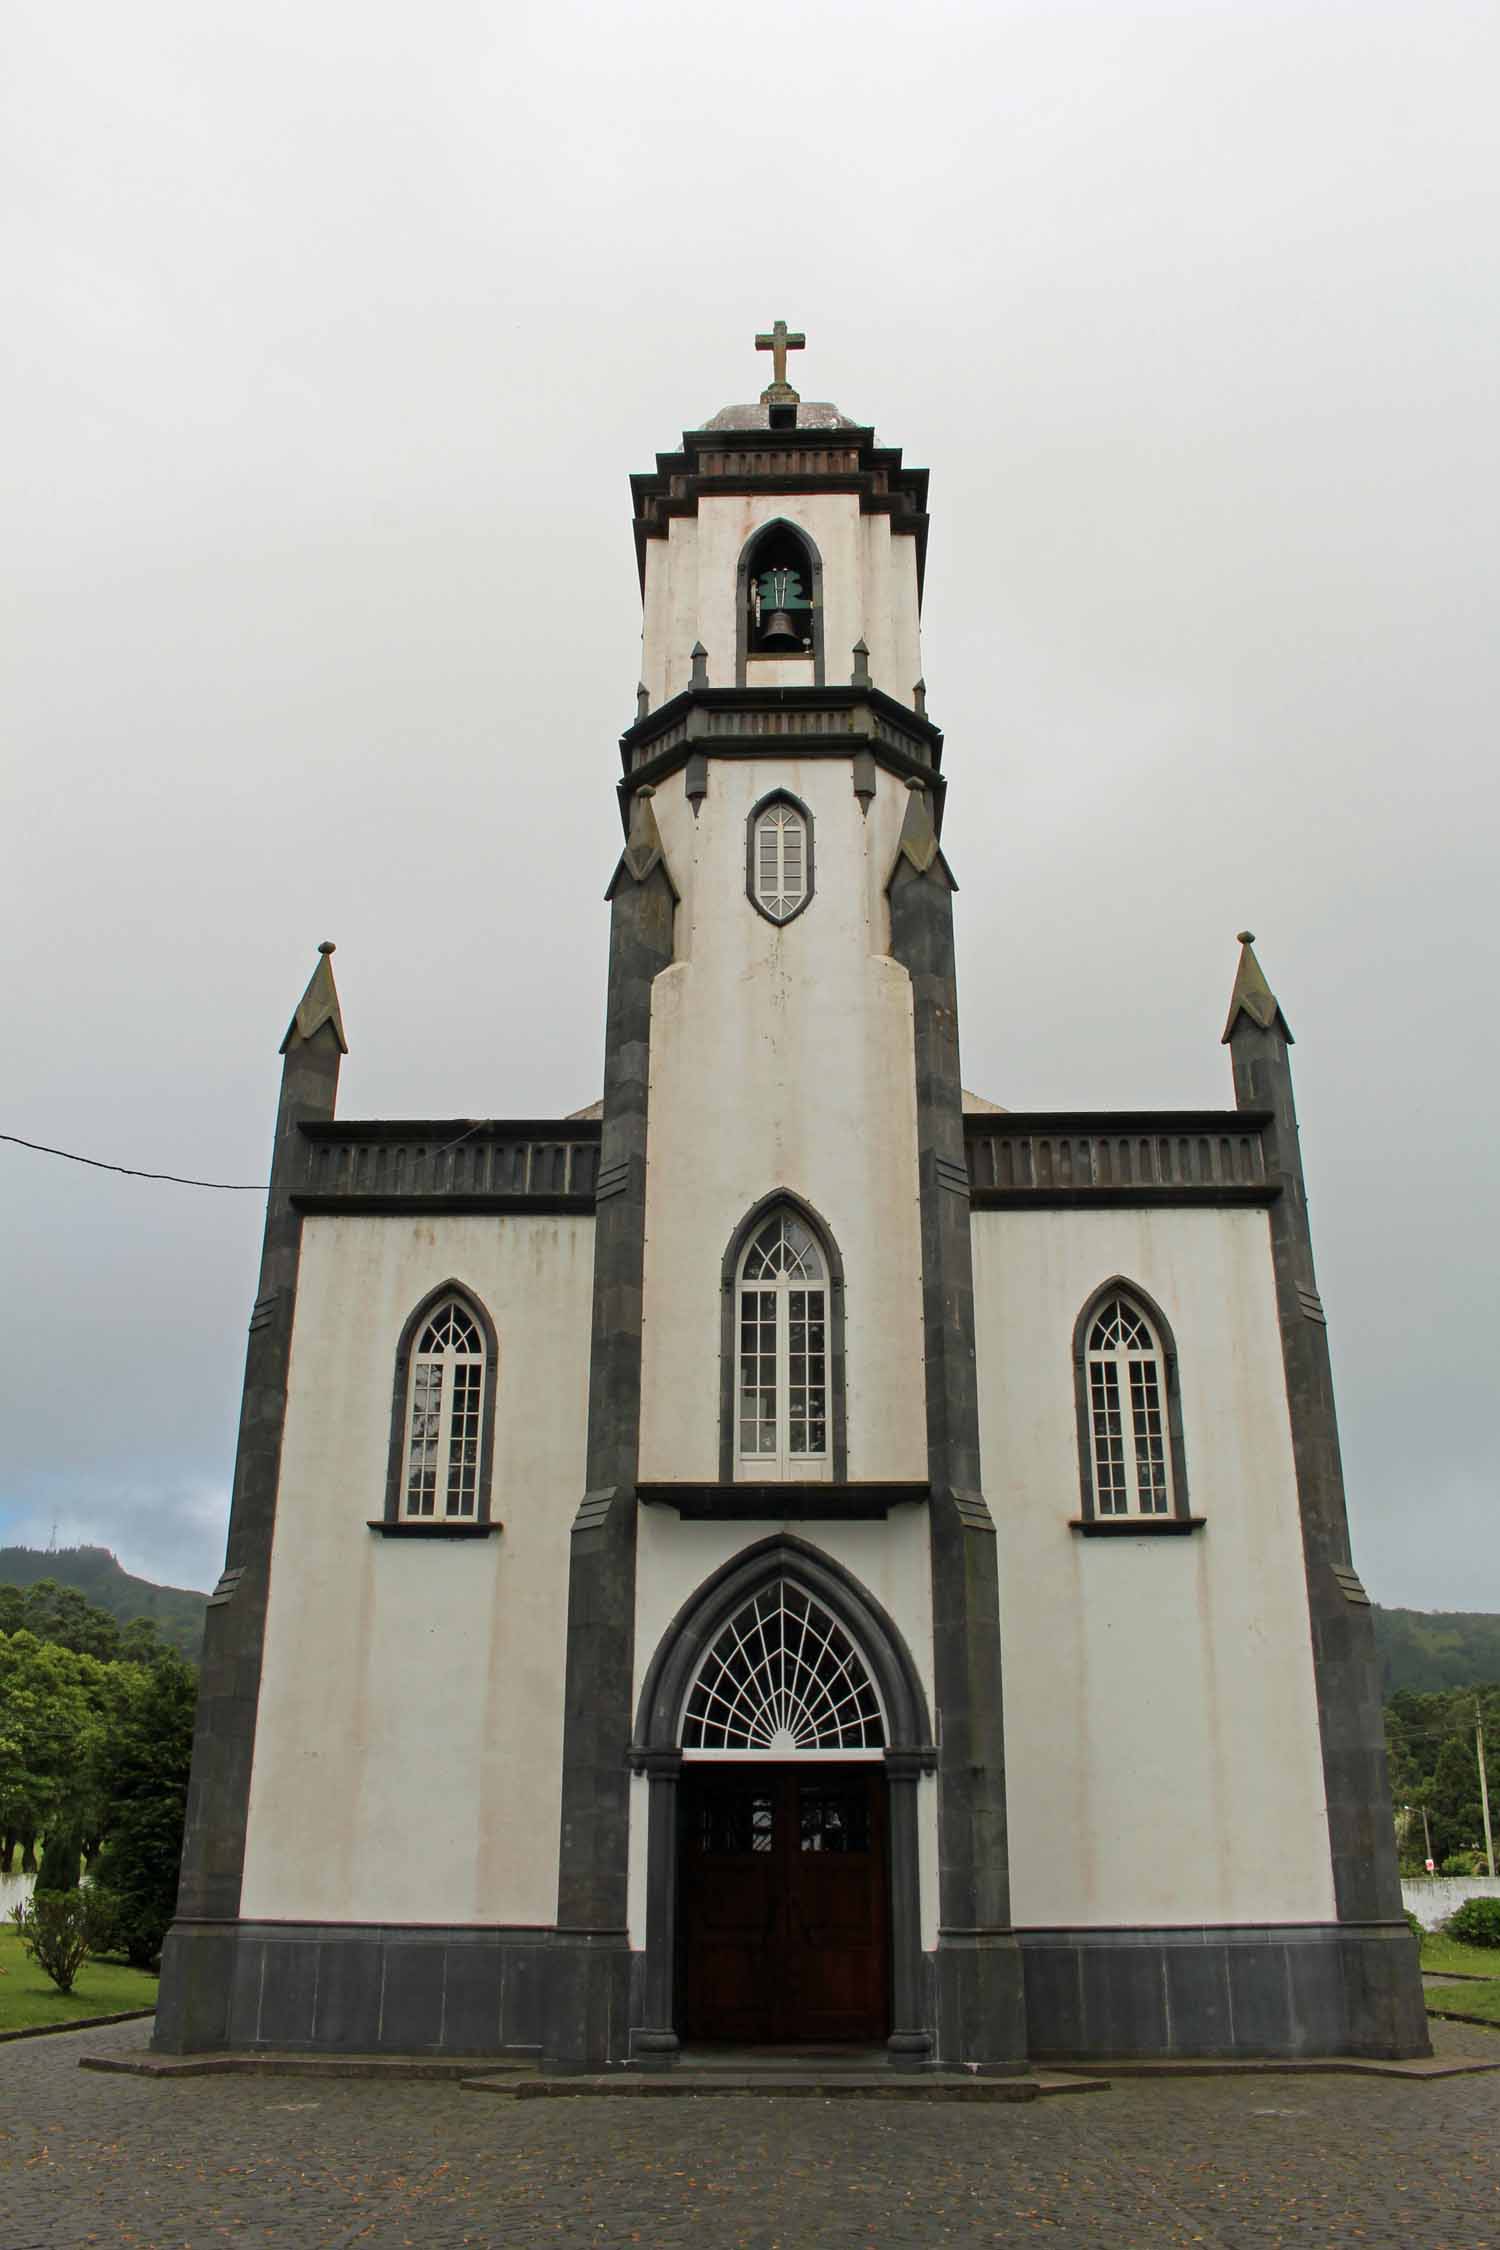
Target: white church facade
x,y
795,1554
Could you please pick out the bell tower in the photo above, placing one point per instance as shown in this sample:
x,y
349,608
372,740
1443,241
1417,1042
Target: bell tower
x,y
783,1309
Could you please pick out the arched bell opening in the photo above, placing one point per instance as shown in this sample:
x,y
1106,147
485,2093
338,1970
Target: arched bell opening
x,y
783,1731
779,603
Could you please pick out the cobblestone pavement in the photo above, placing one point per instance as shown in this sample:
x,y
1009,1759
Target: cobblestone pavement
x,y
321,2164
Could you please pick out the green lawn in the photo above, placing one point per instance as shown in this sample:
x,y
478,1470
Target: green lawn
x,y
1482,2000
1439,1952
101,1988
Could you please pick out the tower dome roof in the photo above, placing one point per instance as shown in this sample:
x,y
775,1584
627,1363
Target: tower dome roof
x,y
812,414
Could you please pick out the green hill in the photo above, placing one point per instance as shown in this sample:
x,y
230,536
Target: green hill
x,y
175,1611
1426,1650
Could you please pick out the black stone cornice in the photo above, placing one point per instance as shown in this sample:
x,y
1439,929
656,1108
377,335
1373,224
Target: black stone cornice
x,y
781,461
1027,1159
453,1129
802,722
867,1501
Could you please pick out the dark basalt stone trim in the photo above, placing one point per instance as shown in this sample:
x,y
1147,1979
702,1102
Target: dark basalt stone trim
x,y
808,698
1190,1196
1134,1527
797,1503
1150,1121
1346,1669
768,747
1278,1990
403,1206
400,1387
977,1987
379,1988
195,1993
589,2019
781,1199
417,1527
445,1129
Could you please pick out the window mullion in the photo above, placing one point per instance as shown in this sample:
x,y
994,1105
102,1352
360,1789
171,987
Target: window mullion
x,y
445,1437
1128,1436
783,1380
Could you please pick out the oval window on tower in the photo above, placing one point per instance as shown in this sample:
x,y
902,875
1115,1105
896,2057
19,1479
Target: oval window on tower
x,y
779,874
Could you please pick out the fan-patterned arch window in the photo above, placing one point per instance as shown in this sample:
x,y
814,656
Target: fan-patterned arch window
x,y
783,1679
1127,1412
444,1417
779,877
782,1399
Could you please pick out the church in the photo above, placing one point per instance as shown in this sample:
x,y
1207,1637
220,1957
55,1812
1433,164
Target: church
x,y
795,1554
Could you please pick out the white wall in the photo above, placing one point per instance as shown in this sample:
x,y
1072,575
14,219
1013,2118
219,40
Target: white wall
x,y
781,1057
409,1738
869,591
1432,1898
1161,1731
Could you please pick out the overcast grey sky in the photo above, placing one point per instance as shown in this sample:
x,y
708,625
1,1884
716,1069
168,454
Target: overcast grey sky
x,y
333,332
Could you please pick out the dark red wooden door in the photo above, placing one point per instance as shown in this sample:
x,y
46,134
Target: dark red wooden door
x,y
782,1904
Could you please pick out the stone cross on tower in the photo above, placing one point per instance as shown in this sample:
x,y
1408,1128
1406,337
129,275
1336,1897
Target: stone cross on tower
x,y
779,343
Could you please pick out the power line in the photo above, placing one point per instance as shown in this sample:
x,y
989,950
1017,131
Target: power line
x,y
229,1187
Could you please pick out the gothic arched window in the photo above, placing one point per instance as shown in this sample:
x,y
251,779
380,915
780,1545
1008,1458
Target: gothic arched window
x,y
443,1416
782,1396
1132,1464
779,857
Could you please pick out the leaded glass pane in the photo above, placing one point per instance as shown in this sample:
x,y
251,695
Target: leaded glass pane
x,y
782,1677
1150,1452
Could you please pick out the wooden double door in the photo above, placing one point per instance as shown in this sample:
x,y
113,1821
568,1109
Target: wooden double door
x,y
783,1904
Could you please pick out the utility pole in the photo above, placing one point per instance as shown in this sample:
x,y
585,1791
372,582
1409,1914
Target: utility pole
x,y
1484,1789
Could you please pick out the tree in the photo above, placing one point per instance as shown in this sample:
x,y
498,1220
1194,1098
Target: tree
x,y
150,1747
60,1614
48,1705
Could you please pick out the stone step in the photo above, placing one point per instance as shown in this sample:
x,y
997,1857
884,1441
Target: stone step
x,y
788,2084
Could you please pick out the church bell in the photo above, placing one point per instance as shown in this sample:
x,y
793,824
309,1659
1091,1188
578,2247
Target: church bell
x,y
781,596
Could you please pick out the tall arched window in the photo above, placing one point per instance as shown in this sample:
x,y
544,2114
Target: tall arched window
x,y
1127,1412
440,1471
783,1426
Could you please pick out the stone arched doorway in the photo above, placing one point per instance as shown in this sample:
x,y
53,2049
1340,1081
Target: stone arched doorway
x,y
783,1729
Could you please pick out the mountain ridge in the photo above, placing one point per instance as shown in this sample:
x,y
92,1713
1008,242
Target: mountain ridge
x,y
177,1612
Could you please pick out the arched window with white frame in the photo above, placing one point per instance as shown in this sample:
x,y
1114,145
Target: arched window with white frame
x,y
779,857
782,1404
442,1420
1132,1462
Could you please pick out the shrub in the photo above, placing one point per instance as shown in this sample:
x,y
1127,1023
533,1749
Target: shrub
x,y
1417,1929
60,1929
1476,1922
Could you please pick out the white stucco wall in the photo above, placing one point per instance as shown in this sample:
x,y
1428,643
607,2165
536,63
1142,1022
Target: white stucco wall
x,y
888,1557
781,1057
1163,1762
409,1737
869,591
